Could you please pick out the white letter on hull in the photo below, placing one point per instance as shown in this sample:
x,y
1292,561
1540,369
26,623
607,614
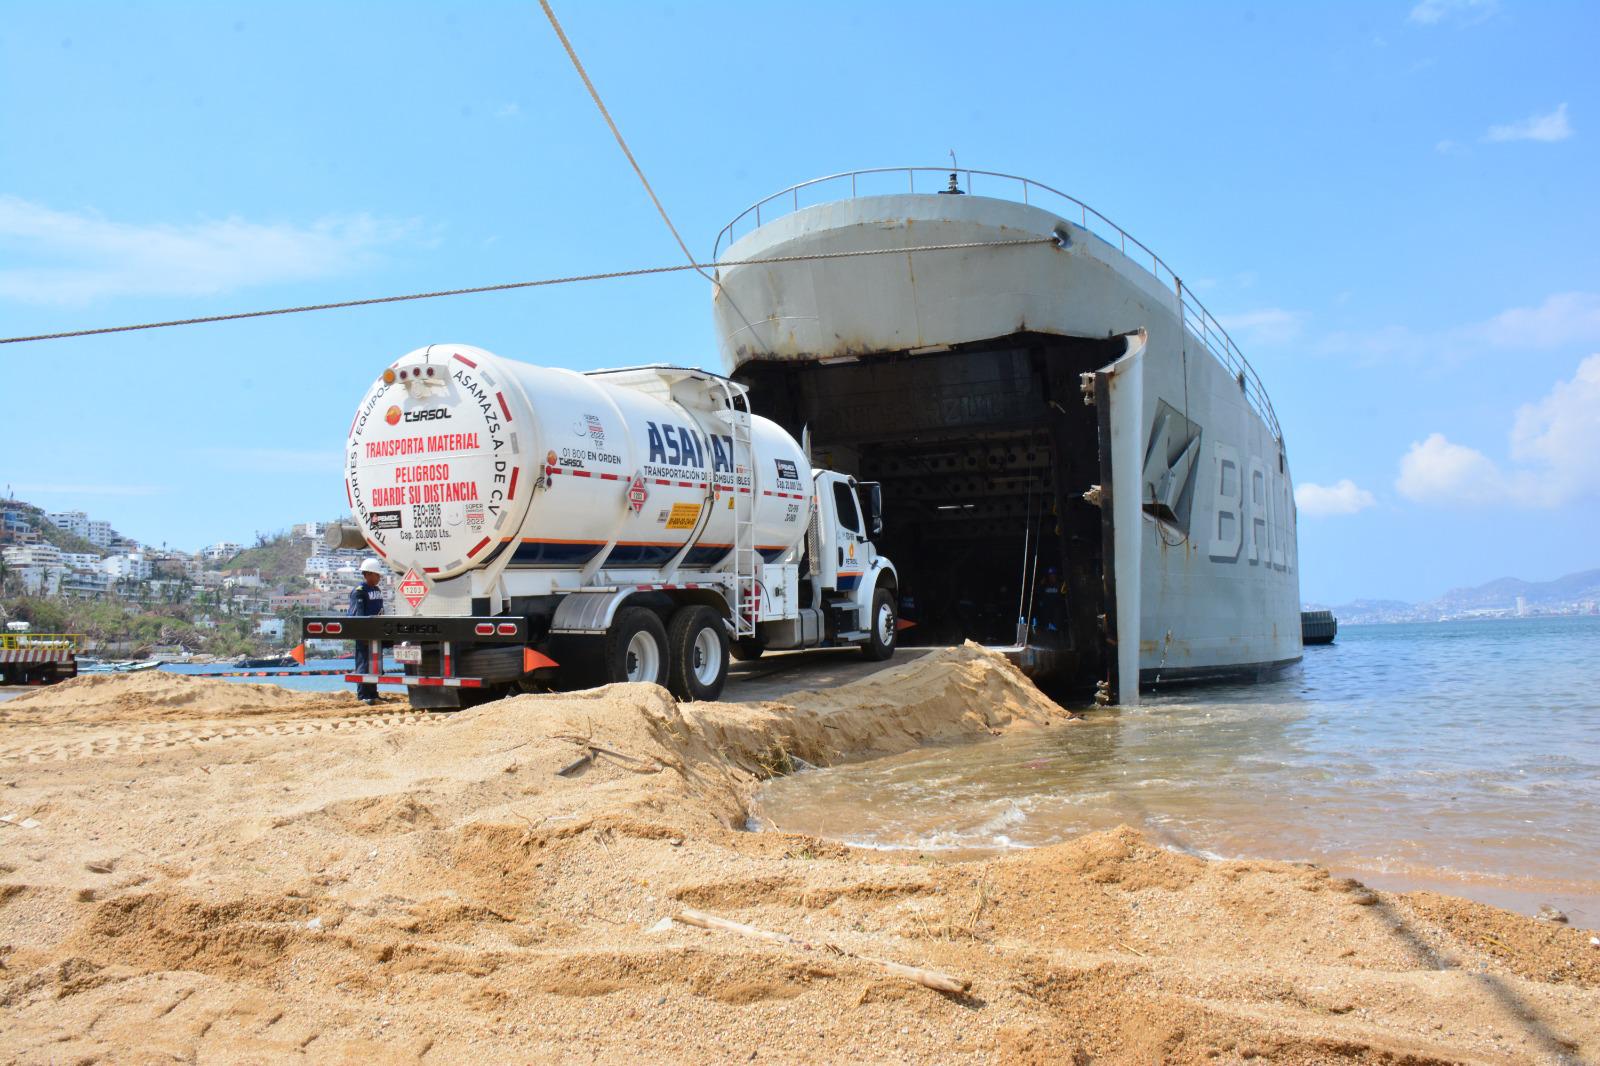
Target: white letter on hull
x,y
1259,514
1226,528
1280,526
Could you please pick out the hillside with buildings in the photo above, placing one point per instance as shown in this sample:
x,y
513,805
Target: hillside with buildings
x,y
68,571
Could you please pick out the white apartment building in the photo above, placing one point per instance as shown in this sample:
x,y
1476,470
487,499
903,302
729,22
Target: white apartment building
x,y
325,561
33,555
132,567
74,522
38,567
84,583
40,580
309,530
96,532
221,550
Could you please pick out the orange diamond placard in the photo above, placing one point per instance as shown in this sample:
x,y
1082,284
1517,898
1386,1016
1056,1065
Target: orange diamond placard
x,y
413,587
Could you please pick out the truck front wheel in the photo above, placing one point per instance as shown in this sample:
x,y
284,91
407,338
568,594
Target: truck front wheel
x,y
697,645
635,648
882,626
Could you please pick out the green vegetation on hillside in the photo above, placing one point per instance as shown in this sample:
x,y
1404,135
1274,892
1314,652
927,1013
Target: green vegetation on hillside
x,y
131,627
279,559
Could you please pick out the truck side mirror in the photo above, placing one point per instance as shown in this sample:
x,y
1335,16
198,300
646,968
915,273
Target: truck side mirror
x,y
870,493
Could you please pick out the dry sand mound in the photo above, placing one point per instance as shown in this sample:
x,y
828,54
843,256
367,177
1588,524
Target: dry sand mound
x,y
440,894
155,696
956,694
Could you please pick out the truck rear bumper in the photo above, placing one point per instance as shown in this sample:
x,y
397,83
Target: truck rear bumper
x,y
415,682
393,629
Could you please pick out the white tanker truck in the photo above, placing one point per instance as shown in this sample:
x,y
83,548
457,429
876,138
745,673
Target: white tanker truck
x,y
557,529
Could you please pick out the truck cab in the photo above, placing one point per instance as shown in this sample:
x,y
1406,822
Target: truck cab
x,y
848,591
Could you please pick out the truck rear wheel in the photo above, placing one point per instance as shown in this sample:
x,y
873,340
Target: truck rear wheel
x,y
697,645
635,648
882,626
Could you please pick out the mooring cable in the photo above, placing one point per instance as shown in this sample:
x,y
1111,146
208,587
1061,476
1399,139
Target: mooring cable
x,y
605,276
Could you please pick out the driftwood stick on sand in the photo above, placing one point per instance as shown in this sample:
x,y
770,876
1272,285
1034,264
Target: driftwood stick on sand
x,y
583,760
941,982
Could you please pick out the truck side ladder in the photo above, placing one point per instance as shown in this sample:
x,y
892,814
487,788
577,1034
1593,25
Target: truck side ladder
x,y
746,560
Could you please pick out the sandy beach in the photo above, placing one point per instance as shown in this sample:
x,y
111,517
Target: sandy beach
x,y
197,870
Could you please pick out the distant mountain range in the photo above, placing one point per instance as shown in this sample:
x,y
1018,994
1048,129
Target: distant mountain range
x,y
1503,591
1577,593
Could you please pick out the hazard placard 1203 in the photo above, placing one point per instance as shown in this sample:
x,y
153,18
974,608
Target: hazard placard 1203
x,y
413,587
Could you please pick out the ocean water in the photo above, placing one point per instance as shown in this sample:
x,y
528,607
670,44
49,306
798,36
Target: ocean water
x,y
304,683
1460,757
285,676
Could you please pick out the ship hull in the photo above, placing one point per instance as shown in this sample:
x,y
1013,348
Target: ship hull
x,y
1067,467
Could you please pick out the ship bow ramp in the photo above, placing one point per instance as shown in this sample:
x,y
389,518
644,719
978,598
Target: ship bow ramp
x,y
976,385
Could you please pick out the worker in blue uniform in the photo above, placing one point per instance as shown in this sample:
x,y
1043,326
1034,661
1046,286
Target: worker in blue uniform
x,y
366,599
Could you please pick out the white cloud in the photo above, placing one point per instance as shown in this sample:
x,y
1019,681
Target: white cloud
x,y
1433,12
508,111
1438,471
1564,318
1447,147
1551,127
91,257
1321,501
1267,325
1555,446
1561,434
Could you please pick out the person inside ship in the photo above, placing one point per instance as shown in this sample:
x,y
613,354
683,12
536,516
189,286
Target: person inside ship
x,y
366,599
1050,616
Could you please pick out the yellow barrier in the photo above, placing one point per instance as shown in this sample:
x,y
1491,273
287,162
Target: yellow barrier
x,y
41,641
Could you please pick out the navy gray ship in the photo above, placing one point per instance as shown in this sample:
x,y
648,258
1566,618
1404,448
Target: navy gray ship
x,y
1077,462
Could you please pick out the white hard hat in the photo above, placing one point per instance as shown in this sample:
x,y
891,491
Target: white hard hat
x,y
371,565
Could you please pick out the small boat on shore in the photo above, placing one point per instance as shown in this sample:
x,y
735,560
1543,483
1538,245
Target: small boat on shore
x,y
248,662
122,666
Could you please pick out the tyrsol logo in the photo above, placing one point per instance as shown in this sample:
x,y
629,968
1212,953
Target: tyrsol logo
x,y
428,414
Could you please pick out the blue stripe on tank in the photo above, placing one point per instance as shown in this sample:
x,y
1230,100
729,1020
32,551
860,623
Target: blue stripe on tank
x,y
548,553
641,554
707,556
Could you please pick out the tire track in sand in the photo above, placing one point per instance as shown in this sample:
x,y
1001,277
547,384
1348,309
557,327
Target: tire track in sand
x,y
59,749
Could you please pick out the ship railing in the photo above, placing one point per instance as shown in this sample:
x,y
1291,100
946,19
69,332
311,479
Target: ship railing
x,y
1199,322
41,641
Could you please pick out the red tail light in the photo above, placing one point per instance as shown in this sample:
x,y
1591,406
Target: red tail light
x,y
335,627
313,627
508,629
484,629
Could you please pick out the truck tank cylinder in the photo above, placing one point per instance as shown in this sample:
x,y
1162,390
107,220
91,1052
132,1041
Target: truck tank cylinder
x,y
456,456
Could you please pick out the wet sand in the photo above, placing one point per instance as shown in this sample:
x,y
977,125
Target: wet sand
x,y
218,875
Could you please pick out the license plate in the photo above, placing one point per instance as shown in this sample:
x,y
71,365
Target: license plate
x,y
407,653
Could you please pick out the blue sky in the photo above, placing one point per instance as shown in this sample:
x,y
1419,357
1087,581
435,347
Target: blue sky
x,y
1392,206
